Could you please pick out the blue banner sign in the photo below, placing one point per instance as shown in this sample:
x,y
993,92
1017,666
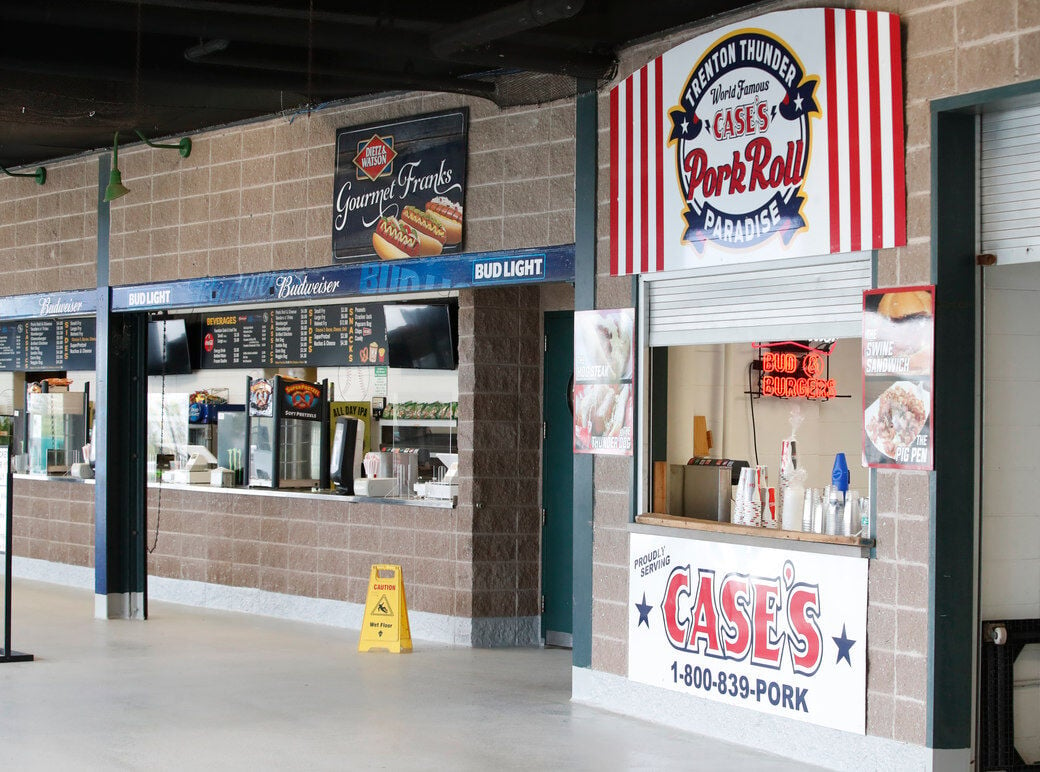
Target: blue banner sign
x,y
386,277
508,270
49,304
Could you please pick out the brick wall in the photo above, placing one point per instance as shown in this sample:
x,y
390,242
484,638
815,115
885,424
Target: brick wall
x,y
317,548
53,520
48,234
500,350
259,197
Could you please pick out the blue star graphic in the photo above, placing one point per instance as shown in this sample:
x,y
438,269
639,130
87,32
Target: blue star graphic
x,y
644,612
844,644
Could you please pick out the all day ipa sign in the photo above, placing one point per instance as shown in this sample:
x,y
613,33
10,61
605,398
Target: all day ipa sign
x,y
776,631
604,362
898,334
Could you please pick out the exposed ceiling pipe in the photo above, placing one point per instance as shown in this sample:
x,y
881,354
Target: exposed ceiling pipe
x,y
501,23
165,20
357,80
278,12
592,66
205,48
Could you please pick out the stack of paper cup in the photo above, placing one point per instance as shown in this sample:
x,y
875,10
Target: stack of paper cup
x,y
791,507
808,505
747,509
770,519
788,465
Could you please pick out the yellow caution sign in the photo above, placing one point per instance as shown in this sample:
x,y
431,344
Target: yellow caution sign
x,y
386,613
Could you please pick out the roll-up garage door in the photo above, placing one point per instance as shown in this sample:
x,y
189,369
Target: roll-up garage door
x,y
804,299
1009,184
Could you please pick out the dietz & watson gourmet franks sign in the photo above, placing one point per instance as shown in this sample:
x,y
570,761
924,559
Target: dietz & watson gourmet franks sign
x,y
778,137
400,188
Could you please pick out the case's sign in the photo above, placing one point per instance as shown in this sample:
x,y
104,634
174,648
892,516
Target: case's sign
x,y
778,137
770,630
400,188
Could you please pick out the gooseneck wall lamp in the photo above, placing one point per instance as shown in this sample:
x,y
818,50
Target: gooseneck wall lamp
x,y
40,175
116,188
183,147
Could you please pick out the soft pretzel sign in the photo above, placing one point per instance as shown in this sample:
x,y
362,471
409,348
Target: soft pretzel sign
x,y
777,137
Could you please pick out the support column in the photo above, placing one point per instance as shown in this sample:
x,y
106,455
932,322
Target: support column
x,y
120,421
951,635
586,131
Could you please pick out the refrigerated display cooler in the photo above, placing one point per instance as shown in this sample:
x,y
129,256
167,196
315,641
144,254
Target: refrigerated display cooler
x,y
287,433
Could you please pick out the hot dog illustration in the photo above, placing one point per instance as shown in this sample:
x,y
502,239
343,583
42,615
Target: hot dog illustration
x,y
449,215
393,239
431,233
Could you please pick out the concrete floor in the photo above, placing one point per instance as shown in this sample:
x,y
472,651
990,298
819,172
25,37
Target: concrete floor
x,y
194,689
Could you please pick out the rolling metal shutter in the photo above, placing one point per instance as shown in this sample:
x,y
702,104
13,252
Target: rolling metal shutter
x,y
807,298
1009,184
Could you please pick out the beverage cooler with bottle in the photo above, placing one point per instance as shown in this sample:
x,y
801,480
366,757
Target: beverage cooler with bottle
x,y
287,433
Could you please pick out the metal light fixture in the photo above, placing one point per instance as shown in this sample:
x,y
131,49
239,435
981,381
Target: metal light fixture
x,y
183,147
40,175
115,187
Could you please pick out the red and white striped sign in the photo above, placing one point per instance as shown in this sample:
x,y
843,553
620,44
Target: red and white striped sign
x,y
778,137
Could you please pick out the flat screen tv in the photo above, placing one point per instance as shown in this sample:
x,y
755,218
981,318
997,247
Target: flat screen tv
x,y
177,359
422,336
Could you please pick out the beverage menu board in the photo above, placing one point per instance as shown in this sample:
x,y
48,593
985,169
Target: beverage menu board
x,y
338,335
48,344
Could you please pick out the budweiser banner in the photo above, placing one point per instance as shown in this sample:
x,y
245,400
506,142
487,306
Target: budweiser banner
x,y
777,137
777,631
400,188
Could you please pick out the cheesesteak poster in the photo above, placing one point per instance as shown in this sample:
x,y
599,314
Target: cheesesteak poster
x,y
400,188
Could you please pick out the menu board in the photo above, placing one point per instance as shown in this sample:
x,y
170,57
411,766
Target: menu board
x,y
12,346
48,344
338,335
79,342
288,336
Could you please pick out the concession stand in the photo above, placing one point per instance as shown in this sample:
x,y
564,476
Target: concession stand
x,y
318,421
47,351
754,170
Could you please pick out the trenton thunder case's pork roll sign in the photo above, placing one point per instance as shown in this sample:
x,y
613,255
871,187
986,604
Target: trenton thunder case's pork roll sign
x,y
778,137
400,188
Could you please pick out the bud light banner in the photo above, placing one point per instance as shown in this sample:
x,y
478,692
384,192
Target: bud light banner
x,y
777,137
400,188
777,631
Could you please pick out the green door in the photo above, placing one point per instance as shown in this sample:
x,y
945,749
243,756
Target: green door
x,y
557,479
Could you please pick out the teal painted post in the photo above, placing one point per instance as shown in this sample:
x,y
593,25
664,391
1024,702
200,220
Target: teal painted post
x,y
585,159
951,636
120,418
